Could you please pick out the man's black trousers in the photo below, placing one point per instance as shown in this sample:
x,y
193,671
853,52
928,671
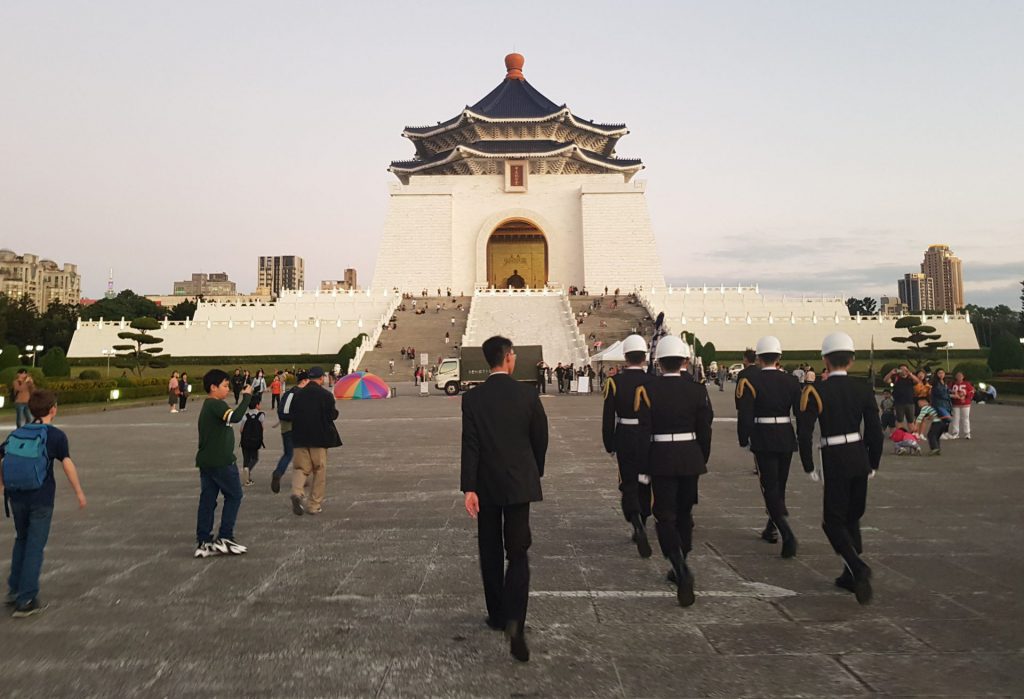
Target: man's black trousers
x,y
636,496
845,501
773,472
674,498
504,532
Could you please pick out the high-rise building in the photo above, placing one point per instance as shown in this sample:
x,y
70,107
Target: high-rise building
x,y
41,280
202,284
945,270
347,284
917,291
350,279
281,272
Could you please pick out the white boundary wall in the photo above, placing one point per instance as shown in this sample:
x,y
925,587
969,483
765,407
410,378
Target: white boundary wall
x,y
298,323
733,318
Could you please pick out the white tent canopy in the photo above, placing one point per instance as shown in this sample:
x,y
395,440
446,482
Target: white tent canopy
x,y
612,353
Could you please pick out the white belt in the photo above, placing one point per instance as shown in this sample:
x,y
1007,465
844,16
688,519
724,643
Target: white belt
x,y
677,437
840,439
627,421
772,420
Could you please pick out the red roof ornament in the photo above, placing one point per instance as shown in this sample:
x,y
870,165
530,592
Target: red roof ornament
x,y
514,65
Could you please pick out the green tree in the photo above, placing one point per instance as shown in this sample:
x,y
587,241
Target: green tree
x,y
183,311
126,304
9,356
921,340
989,322
55,363
57,325
19,320
143,353
866,306
708,353
1006,353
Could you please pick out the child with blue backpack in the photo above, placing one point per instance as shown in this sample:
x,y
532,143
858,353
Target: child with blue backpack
x,y
29,489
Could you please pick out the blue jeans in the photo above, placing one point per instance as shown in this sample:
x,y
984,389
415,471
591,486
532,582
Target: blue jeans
x,y
21,414
32,527
212,482
286,457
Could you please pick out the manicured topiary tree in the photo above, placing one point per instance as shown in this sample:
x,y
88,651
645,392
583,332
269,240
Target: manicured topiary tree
x,y
143,353
1006,353
55,363
921,340
9,356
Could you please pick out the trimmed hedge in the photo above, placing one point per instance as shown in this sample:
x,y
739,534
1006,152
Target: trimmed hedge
x,y
230,362
94,391
974,371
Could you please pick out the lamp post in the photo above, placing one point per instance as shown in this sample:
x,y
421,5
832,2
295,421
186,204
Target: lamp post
x,y
33,350
948,345
108,353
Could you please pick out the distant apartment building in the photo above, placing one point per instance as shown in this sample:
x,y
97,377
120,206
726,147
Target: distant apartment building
x,y
346,284
917,291
946,272
41,280
202,284
279,273
892,306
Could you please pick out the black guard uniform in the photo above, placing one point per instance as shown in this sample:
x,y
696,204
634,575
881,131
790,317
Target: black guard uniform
x,y
841,404
675,420
765,400
620,429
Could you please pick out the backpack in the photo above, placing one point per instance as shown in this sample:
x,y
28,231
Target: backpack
x,y
26,460
252,432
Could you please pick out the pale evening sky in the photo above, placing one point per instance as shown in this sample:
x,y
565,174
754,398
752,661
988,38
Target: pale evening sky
x,y
814,146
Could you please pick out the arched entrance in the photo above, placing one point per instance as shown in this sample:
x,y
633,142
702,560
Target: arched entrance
x,y
517,256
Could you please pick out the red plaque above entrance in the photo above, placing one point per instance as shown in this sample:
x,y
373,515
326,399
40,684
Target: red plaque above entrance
x,y
516,174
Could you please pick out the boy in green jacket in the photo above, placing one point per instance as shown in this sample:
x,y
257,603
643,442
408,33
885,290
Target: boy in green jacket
x,y
218,471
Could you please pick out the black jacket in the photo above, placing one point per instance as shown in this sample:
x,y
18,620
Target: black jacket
x,y
840,404
313,414
619,396
671,405
768,393
504,442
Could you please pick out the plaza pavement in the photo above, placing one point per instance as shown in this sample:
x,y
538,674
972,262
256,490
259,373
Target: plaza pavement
x,y
380,596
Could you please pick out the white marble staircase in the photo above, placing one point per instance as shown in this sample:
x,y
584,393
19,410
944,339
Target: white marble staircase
x,y
534,317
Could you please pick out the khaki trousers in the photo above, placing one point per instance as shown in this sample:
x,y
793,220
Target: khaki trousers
x,y
310,462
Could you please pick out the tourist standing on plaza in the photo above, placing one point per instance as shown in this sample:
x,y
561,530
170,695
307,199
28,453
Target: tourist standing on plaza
x,y
542,372
259,386
29,490
284,418
251,438
903,382
184,388
237,384
962,393
620,431
504,444
173,392
23,388
675,422
275,391
218,468
313,413
766,400
842,405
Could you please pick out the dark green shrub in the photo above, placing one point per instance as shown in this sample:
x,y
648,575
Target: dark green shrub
x,y
7,375
55,363
90,375
974,371
1006,353
9,356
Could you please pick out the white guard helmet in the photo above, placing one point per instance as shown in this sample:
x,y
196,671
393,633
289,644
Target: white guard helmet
x,y
671,346
836,342
769,344
634,343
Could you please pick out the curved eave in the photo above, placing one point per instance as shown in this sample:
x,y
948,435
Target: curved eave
x,y
468,115
463,152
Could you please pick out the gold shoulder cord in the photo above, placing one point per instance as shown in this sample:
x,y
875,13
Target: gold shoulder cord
x,y
806,397
609,387
745,383
641,395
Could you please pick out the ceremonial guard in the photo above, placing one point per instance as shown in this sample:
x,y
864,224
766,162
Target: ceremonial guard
x,y
848,456
675,420
766,399
620,430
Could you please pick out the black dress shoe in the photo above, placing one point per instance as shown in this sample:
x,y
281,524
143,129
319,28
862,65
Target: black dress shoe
x,y
494,624
770,533
275,483
643,546
862,586
517,642
789,546
845,581
671,576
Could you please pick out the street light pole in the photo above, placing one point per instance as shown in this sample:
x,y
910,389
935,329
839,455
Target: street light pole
x,y
107,353
33,350
948,345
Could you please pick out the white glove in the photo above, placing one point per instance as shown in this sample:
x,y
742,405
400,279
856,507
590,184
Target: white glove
x,y
644,478
813,475
874,472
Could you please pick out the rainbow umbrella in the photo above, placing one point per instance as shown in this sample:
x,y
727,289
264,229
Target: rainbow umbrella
x,y
360,385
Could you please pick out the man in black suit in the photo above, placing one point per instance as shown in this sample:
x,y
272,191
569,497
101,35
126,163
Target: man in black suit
x,y
504,441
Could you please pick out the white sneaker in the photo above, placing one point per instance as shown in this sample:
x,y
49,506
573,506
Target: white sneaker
x,y
205,550
229,546
947,436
